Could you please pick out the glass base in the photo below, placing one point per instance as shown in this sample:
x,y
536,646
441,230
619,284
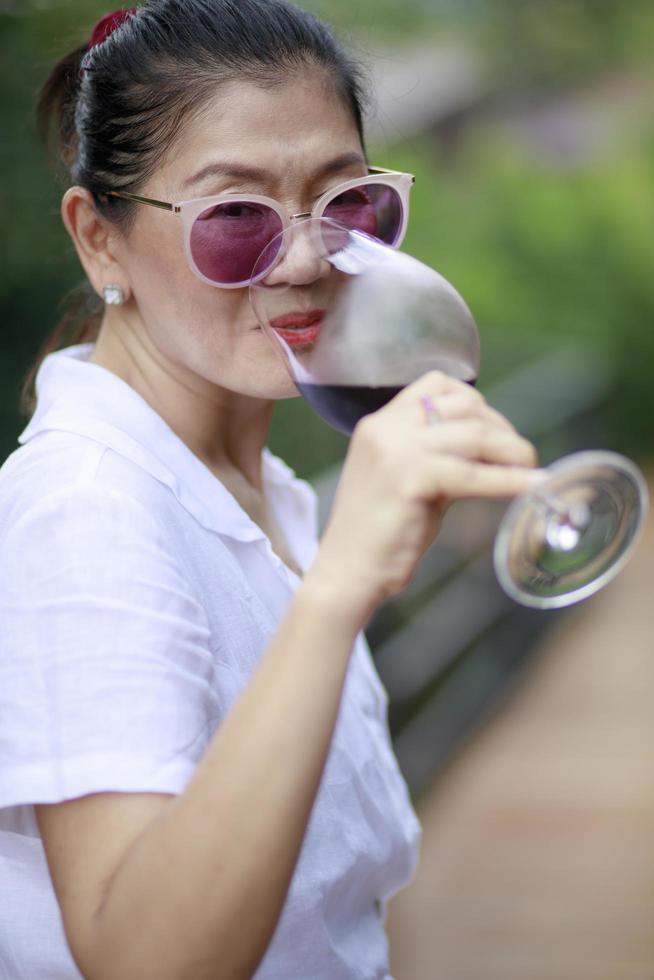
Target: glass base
x,y
573,533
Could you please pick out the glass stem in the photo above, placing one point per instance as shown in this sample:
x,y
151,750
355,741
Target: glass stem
x,y
552,503
575,515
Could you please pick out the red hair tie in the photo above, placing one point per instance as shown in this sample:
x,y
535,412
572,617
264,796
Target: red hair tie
x,y
107,25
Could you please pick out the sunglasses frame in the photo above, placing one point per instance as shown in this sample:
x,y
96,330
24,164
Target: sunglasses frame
x,y
190,210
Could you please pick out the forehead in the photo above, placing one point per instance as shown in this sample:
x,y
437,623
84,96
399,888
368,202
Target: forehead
x,y
288,128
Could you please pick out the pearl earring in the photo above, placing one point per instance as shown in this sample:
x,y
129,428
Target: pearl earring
x,y
113,295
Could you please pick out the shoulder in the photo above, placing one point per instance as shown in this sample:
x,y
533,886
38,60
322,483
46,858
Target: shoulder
x,y
64,500
60,472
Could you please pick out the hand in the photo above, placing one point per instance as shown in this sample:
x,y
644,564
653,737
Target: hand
x,y
400,474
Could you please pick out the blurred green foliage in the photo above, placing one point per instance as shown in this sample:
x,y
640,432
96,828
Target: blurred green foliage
x,y
556,43
543,254
540,253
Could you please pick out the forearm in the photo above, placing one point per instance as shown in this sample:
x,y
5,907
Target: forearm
x,y
200,892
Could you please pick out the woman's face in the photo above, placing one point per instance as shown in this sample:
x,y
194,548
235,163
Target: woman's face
x,y
291,141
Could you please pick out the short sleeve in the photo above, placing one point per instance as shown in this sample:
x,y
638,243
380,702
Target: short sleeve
x,y
106,674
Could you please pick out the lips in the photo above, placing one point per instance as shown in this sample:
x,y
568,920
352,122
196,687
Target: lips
x,y
298,329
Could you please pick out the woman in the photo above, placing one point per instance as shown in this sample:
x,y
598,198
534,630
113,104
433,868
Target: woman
x,y
195,774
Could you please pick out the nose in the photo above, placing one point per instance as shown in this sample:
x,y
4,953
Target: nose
x,y
301,262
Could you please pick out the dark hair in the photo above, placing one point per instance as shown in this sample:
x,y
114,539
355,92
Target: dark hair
x,y
117,109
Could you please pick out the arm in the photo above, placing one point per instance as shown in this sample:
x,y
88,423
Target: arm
x,y
193,886
205,874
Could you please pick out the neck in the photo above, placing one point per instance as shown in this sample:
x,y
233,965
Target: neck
x,y
224,429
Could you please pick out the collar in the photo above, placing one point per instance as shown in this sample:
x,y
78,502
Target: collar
x,y
79,397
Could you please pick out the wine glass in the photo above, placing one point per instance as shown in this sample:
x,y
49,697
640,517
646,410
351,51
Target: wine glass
x,y
355,321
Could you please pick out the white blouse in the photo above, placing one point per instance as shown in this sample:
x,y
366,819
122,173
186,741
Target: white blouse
x,y
136,597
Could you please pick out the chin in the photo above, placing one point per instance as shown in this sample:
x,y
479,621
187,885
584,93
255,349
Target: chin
x,y
269,381
280,389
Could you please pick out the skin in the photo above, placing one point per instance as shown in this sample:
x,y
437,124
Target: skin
x,y
205,874
195,352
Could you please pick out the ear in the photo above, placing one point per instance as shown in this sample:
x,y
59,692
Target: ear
x,y
94,239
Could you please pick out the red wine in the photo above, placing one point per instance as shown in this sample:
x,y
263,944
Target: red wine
x,y
342,406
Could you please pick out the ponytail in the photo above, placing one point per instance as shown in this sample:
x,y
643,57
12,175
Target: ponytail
x,y
80,323
56,107
55,115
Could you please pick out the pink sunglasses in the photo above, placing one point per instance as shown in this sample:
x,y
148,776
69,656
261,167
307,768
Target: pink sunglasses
x,y
225,235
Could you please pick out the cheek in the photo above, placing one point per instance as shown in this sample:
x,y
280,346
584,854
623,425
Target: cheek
x,y
196,319
210,331
171,297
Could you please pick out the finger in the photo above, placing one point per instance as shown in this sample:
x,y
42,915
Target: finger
x,y
482,440
459,478
456,407
436,384
463,403
422,401
450,397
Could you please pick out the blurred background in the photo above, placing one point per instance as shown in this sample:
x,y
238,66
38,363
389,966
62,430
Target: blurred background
x,y
529,127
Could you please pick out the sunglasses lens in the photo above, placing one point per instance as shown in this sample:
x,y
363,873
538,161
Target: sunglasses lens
x,y
227,239
375,209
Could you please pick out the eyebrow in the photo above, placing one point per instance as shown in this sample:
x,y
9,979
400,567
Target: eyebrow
x,y
259,175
